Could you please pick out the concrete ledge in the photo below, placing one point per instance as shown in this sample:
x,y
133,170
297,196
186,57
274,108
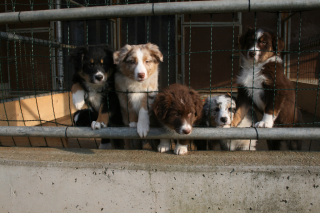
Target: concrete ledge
x,y
71,180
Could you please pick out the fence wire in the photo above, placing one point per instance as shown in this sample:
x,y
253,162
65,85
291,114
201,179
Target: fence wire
x,y
29,58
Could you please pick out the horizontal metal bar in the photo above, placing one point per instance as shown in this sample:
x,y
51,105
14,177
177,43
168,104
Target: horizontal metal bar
x,y
171,8
157,133
40,42
208,25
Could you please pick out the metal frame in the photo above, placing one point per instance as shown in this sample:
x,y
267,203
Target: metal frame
x,y
150,9
203,24
155,133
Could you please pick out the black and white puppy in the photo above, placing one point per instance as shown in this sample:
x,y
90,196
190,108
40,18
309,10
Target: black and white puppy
x,y
93,83
218,112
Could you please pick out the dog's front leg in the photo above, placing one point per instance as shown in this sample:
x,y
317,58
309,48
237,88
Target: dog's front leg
x,y
103,119
143,125
164,145
181,147
77,96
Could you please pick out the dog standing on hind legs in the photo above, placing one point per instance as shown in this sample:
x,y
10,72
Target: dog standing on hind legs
x,y
93,83
136,80
261,69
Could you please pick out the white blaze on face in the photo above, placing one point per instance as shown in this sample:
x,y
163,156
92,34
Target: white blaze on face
x,y
140,68
99,73
223,117
256,48
186,128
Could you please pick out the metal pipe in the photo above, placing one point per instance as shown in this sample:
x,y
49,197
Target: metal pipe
x,y
171,8
25,39
59,50
156,133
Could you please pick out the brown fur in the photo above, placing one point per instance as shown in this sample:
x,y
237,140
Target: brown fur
x,y
177,104
280,103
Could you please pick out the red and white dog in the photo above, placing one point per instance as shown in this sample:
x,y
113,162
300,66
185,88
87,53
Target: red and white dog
x,y
262,69
138,67
177,108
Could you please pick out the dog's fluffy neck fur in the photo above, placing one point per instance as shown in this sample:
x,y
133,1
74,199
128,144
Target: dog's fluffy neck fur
x,y
251,76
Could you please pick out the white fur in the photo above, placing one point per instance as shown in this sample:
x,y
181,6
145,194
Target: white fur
x,y
182,101
143,123
97,125
250,71
133,124
164,145
140,68
95,100
224,103
102,80
105,146
266,122
76,117
185,126
255,48
78,99
180,149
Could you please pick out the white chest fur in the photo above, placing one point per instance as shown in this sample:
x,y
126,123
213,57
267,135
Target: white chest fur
x,y
137,90
95,100
251,76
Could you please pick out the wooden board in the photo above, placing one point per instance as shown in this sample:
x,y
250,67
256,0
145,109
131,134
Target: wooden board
x,y
46,108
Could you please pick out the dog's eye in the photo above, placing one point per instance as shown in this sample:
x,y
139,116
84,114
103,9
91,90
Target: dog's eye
x,y
147,62
91,64
264,43
217,109
177,114
130,62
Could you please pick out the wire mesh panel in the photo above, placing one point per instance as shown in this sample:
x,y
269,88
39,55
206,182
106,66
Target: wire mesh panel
x,y
201,51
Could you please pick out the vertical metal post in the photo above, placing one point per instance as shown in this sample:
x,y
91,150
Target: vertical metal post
x,y
59,51
53,53
289,41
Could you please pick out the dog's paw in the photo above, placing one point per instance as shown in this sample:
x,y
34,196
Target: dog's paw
x,y
163,148
180,149
105,146
133,124
97,125
263,124
142,129
78,99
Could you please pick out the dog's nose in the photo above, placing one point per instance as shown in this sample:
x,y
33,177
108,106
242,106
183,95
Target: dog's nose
x,y
252,54
186,131
223,119
98,77
141,75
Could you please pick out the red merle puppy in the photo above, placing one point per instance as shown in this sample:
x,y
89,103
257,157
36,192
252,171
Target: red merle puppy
x,y
177,108
261,68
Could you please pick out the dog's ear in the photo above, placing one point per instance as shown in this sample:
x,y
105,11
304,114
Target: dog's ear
x,y
77,55
154,49
280,44
197,102
161,105
119,55
206,107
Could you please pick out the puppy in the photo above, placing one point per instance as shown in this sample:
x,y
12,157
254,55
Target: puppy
x,y
84,117
262,69
137,75
177,108
218,112
93,83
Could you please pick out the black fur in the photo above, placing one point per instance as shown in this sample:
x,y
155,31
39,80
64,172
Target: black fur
x,y
85,72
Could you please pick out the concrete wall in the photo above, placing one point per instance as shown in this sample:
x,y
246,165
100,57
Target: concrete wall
x,y
79,180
